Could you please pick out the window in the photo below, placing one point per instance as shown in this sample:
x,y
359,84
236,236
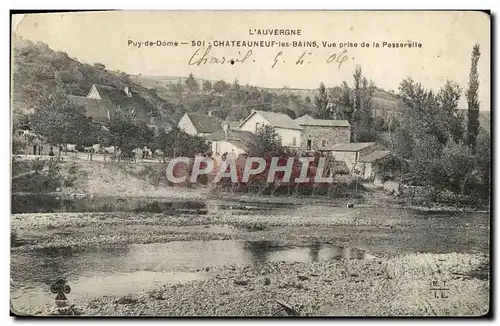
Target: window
x,y
309,144
256,126
294,141
323,143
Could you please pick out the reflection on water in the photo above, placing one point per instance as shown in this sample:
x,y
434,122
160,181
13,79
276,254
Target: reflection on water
x,y
44,203
47,203
120,270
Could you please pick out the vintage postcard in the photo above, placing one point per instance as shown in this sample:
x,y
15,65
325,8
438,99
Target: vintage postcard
x,y
250,163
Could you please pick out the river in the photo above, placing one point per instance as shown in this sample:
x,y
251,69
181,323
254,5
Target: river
x,y
96,271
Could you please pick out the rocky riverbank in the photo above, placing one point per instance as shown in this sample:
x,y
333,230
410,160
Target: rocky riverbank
x,y
400,286
293,224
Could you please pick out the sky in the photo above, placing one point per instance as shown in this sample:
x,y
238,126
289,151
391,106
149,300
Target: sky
x,y
446,40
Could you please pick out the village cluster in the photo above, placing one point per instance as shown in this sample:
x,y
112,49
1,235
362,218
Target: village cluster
x,y
304,135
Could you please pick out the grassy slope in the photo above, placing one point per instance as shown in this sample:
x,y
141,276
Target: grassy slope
x,y
39,71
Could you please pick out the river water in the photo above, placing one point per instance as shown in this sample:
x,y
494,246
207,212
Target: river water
x,y
124,269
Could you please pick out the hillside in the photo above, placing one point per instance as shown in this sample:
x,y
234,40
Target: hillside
x,y
39,71
235,101
224,99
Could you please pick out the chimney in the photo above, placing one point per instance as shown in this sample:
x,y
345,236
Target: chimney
x,y
225,127
127,91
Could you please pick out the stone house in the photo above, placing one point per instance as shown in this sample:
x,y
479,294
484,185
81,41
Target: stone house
x,y
351,154
367,164
320,135
286,127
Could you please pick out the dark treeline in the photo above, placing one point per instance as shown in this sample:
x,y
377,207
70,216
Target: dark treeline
x,y
232,100
58,121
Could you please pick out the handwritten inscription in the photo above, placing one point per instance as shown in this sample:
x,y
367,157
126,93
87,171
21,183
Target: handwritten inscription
x,y
200,57
204,57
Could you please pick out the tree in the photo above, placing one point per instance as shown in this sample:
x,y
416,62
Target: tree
x,y
236,85
236,93
59,120
20,120
483,162
321,103
473,101
220,86
342,103
207,86
358,75
266,143
178,89
421,112
448,99
457,167
124,132
176,142
192,84
366,120
146,135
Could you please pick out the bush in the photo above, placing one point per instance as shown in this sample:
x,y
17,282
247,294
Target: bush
x,y
39,180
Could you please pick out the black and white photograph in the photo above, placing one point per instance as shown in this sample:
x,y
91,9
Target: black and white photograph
x,y
311,163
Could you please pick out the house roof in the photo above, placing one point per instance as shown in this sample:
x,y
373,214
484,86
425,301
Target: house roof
x,y
307,120
243,145
238,138
233,123
374,156
205,124
93,108
278,120
351,147
119,98
232,135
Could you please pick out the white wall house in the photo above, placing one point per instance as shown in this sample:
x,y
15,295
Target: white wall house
x,y
199,124
223,146
285,126
230,141
186,125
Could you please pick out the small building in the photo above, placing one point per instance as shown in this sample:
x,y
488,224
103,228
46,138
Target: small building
x,y
367,163
104,102
320,134
230,141
199,124
351,153
285,127
93,108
